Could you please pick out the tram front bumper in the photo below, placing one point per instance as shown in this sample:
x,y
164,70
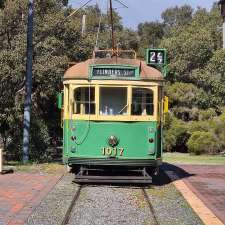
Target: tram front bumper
x,y
112,162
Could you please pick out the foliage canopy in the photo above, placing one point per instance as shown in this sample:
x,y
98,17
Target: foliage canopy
x,y
195,81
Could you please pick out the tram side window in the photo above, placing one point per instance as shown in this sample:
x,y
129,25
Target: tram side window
x,y
113,101
142,102
84,100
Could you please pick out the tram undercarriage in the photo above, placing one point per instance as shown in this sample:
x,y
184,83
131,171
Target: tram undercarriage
x,y
116,173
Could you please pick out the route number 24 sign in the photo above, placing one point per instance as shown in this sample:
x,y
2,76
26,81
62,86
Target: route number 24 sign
x,y
156,56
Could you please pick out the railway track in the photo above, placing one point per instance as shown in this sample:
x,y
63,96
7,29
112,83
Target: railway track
x,y
68,219
150,206
72,205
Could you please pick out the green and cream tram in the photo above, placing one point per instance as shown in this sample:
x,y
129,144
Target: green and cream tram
x,y
113,113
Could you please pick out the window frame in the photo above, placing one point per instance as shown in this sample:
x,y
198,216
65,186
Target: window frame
x,y
98,117
127,102
83,101
148,90
155,100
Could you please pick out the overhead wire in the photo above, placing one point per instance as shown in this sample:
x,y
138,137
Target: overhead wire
x,y
63,21
125,6
75,11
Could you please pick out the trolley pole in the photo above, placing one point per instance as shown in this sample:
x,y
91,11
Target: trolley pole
x,y
29,64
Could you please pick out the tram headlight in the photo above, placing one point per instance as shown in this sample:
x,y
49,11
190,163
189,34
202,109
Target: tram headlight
x,y
113,141
151,140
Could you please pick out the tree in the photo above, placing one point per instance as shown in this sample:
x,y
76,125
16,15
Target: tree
x,y
128,39
177,16
57,41
150,35
192,45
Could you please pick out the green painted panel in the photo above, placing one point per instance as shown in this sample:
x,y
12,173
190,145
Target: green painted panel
x,y
92,136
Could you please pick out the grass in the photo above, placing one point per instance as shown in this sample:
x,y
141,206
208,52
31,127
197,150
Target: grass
x,y
179,158
49,168
186,158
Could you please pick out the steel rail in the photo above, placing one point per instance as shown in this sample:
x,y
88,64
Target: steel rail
x,y
72,204
156,222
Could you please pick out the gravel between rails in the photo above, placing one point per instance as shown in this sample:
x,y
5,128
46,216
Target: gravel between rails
x,y
53,208
105,205
110,205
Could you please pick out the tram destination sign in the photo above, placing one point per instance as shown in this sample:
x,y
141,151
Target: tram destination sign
x,y
114,72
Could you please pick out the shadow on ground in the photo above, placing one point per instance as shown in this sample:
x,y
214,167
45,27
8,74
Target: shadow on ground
x,y
167,174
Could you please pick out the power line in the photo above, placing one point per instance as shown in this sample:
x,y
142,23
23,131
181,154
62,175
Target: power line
x,y
61,22
75,11
121,3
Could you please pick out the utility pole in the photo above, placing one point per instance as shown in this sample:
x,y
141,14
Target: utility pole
x,y
112,26
29,64
222,7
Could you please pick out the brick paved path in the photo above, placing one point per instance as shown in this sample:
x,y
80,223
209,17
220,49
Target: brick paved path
x,y
21,193
207,182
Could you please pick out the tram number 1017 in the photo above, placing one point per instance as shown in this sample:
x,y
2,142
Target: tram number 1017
x,y
113,152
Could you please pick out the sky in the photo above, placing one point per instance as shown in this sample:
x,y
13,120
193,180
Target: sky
x,y
144,10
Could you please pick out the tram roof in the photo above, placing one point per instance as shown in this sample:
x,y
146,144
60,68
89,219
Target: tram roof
x,y
81,70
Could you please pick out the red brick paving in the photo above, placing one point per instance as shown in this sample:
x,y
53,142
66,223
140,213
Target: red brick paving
x,y
21,193
208,183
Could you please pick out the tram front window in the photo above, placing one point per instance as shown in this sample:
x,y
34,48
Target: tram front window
x,y
113,101
84,100
142,102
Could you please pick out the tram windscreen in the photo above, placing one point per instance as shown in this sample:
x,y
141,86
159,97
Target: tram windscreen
x,y
113,101
84,100
142,102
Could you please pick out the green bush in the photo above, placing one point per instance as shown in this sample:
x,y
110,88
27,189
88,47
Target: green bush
x,y
198,126
175,135
39,142
202,142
